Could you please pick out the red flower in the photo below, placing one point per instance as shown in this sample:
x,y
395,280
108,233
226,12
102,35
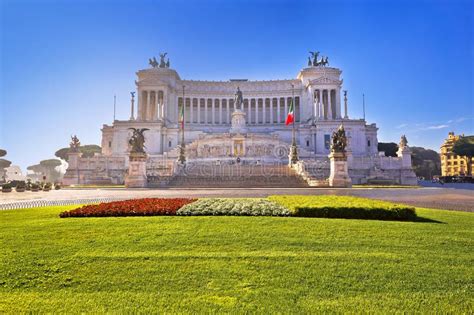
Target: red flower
x,y
134,207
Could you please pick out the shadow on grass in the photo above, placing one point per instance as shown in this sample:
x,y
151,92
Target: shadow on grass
x,y
425,220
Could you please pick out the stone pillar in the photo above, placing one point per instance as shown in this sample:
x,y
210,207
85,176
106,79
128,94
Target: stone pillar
x,y
338,103
256,111
345,105
329,105
407,175
264,108
220,112
286,108
72,173
249,111
205,111
148,105
199,111
278,110
271,111
191,110
213,114
339,176
136,177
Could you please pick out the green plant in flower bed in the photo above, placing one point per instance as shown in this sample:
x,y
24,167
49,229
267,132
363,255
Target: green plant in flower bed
x,y
346,207
234,206
134,207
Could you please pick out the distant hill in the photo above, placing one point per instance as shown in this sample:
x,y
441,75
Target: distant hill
x,y
426,162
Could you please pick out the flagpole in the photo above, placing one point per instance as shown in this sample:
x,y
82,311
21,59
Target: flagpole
x,y
293,149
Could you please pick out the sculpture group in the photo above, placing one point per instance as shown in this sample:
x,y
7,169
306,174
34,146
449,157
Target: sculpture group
x,y
137,141
313,60
162,64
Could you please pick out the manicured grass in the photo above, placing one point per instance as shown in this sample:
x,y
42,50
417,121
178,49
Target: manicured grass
x,y
234,264
347,207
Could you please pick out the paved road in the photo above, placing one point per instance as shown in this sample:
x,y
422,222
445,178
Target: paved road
x,y
440,198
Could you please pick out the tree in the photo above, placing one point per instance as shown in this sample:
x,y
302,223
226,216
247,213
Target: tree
x,y
87,151
426,162
47,168
3,152
464,146
390,148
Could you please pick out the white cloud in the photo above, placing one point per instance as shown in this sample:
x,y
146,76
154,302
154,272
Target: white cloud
x,y
435,127
401,126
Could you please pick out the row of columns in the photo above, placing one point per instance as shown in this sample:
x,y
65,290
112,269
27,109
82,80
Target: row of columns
x,y
152,104
255,109
325,104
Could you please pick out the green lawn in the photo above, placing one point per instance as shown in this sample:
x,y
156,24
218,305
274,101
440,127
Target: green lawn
x,y
234,264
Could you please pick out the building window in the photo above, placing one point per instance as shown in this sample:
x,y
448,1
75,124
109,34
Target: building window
x,y
307,143
110,144
368,143
169,143
327,141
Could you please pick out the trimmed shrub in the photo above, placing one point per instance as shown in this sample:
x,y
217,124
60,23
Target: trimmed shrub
x,y
135,207
234,206
344,207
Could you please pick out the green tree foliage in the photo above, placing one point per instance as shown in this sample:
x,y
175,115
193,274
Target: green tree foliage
x,y
4,164
390,148
47,168
87,151
465,147
426,163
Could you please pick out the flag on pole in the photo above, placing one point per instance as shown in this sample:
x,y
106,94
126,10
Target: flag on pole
x,y
181,116
291,113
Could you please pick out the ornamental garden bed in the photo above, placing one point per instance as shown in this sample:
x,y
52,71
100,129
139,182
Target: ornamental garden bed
x,y
344,207
234,207
134,207
298,206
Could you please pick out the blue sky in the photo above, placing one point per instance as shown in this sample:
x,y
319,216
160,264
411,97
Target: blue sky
x,y
63,61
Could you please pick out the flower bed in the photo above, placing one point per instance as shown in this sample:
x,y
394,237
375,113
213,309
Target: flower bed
x,y
136,207
234,206
344,207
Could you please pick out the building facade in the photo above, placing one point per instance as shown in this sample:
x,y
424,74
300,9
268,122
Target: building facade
x,y
208,107
452,164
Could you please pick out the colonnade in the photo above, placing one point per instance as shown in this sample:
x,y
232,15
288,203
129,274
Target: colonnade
x,y
325,104
218,111
152,104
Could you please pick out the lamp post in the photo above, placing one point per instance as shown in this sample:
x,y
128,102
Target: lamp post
x,y
182,157
293,148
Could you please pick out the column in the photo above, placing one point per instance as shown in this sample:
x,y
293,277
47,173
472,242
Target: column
x,y
139,105
213,111
191,110
256,111
278,110
329,105
148,103
338,103
156,106
271,111
164,104
220,112
198,111
205,111
286,108
249,111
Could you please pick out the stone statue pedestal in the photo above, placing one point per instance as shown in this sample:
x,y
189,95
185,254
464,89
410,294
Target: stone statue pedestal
x,y
238,122
72,172
339,176
407,175
136,177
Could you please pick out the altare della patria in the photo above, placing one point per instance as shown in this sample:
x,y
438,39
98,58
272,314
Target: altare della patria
x,y
189,133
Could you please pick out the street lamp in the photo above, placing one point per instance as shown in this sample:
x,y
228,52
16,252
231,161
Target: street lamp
x,y
182,157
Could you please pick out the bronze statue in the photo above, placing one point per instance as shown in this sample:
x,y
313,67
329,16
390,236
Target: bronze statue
x,y
75,144
153,62
314,57
137,141
168,63
162,60
339,140
239,99
403,142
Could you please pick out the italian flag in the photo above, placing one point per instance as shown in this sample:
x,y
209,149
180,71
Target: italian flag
x,y
291,114
181,116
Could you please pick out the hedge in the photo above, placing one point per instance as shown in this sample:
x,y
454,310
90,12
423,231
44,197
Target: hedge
x,y
344,207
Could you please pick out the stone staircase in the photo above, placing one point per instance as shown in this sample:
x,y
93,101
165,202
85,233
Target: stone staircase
x,y
202,175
